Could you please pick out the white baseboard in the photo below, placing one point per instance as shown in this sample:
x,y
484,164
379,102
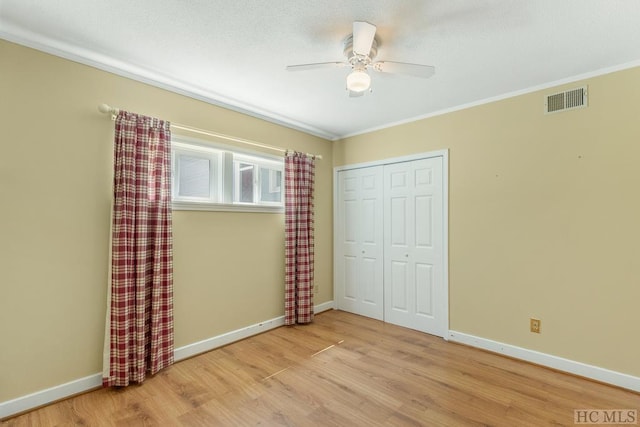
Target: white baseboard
x,y
325,306
43,397
224,339
209,344
577,368
62,391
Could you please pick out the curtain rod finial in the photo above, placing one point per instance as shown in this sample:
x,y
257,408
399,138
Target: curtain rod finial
x,y
106,109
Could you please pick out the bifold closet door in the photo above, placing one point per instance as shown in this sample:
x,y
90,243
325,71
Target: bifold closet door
x,y
359,246
413,245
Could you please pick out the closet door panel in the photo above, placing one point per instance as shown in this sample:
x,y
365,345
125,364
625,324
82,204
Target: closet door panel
x,y
359,263
398,300
412,229
424,293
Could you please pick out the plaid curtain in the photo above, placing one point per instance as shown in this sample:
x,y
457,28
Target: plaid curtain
x,y
299,170
140,307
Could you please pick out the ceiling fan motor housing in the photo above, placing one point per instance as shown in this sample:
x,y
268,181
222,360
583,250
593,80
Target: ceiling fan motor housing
x,y
355,59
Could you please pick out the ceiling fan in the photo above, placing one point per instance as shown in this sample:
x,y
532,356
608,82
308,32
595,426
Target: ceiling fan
x,y
361,48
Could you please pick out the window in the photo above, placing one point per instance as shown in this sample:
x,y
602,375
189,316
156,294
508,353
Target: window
x,y
196,173
220,178
257,181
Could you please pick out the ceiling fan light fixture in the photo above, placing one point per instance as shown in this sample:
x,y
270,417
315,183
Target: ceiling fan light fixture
x,y
358,81
360,49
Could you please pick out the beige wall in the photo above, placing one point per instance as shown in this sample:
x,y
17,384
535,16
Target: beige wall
x,y
55,172
544,218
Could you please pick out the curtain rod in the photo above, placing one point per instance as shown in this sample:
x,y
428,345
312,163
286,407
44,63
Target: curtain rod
x,y
106,109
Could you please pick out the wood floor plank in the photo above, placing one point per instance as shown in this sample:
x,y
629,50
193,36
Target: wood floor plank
x,y
341,370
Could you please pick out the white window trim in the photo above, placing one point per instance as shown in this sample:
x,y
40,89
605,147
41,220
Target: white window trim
x,y
225,207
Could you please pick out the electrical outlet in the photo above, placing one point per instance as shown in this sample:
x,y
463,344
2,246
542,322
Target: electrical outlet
x,y
534,325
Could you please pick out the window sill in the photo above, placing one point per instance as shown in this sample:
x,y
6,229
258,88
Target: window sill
x,y
222,207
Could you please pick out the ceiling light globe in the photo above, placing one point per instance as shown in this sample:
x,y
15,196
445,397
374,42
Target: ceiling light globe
x,y
358,81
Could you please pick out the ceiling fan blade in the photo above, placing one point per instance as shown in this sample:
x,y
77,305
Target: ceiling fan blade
x,y
304,67
416,70
363,35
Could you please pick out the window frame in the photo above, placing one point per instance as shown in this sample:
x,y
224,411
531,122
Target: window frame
x,y
258,163
225,164
214,158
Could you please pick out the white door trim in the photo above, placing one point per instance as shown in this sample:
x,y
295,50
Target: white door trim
x,y
445,214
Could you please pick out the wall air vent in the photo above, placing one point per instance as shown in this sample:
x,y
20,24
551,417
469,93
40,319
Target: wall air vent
x,y
567,100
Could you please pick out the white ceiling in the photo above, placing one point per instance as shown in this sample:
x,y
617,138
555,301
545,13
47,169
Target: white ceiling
x,y
234,53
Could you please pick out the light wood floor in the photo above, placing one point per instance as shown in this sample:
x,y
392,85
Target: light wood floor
x,y
342,370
